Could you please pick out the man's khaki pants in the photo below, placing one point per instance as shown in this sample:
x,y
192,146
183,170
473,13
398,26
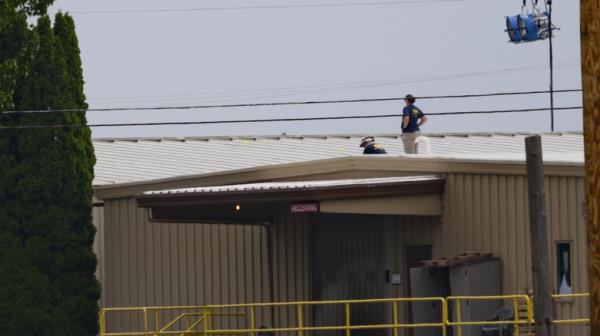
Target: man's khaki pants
x,y
408,139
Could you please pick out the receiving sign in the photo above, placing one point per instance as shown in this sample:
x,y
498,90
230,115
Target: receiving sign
x,y
302,207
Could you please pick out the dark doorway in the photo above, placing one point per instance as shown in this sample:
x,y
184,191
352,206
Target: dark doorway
x,y
349,263
415,255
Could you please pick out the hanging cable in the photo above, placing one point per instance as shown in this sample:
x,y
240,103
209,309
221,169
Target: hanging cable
x,y
323,5
315,102
242,121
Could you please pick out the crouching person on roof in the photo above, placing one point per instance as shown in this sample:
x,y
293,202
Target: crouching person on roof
x,y
370,147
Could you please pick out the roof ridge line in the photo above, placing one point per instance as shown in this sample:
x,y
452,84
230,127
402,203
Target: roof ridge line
x,y
335,135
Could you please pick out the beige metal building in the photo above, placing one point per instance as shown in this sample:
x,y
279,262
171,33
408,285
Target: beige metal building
x,y
196,221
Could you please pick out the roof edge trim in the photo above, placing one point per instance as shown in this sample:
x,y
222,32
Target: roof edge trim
x,y
414,164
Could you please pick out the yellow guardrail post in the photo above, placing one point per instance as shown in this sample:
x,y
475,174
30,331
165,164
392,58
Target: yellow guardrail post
x,y
530,310
157,322
458,319
145,310
300,322
347,319
516,315
395,319
206,323
209,321
102,319
444,316
252,322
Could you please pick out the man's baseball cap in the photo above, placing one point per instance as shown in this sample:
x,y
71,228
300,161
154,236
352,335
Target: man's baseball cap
x,y
366,140
409,96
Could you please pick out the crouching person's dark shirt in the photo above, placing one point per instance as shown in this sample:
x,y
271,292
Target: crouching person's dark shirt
x,y
374,149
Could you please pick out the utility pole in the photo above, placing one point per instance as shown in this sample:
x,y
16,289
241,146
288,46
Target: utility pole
x,y
551,53
590,49
538,228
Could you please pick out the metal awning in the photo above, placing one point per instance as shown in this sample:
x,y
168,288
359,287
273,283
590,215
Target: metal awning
x,y
303,190
406,195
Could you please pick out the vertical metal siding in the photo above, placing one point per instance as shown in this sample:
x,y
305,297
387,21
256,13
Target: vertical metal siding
x,y
160,264
148,263
291,263
410,230
490,212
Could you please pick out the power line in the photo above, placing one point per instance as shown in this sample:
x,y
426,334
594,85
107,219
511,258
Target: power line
x,y
206,9
314,102
243,121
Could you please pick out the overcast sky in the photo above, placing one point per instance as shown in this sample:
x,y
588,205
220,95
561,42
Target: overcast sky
x,y
296,53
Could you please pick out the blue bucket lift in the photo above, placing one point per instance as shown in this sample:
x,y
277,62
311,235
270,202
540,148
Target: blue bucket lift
x,y
528,27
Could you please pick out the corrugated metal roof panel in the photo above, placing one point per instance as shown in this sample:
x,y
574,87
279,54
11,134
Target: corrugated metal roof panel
x,y
139,159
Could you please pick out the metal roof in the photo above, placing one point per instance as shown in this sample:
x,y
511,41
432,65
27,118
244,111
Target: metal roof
x,y
300,185
141,159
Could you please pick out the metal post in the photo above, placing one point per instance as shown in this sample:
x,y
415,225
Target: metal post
x,y
102,322
252,321
300,323
551,52
206,322
530,310
347,319
271,266
590,48
395,318
145,322
209,321
444,316
157,321
516,315
540,254
458,319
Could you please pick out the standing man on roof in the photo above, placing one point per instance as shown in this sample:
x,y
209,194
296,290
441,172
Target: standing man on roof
x,y
412,119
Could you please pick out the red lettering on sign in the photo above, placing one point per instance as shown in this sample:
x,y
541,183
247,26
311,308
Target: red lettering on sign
x,y
304,207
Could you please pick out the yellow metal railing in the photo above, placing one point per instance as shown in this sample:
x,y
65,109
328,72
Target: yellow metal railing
x,y
516,322
571,296
204,315
195,316
300,327
200,318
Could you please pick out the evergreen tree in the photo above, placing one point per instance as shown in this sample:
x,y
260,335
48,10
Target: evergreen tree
x,y
48,286
83,307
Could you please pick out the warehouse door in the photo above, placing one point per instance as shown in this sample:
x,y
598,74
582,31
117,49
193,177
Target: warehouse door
x,y
349,263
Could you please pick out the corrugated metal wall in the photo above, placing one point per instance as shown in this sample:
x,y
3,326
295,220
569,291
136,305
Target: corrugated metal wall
x,y
349,262
291,263
490,212
293,252
408,231
158,264
148,263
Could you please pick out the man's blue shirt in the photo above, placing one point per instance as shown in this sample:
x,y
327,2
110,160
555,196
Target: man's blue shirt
x,y
414,114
